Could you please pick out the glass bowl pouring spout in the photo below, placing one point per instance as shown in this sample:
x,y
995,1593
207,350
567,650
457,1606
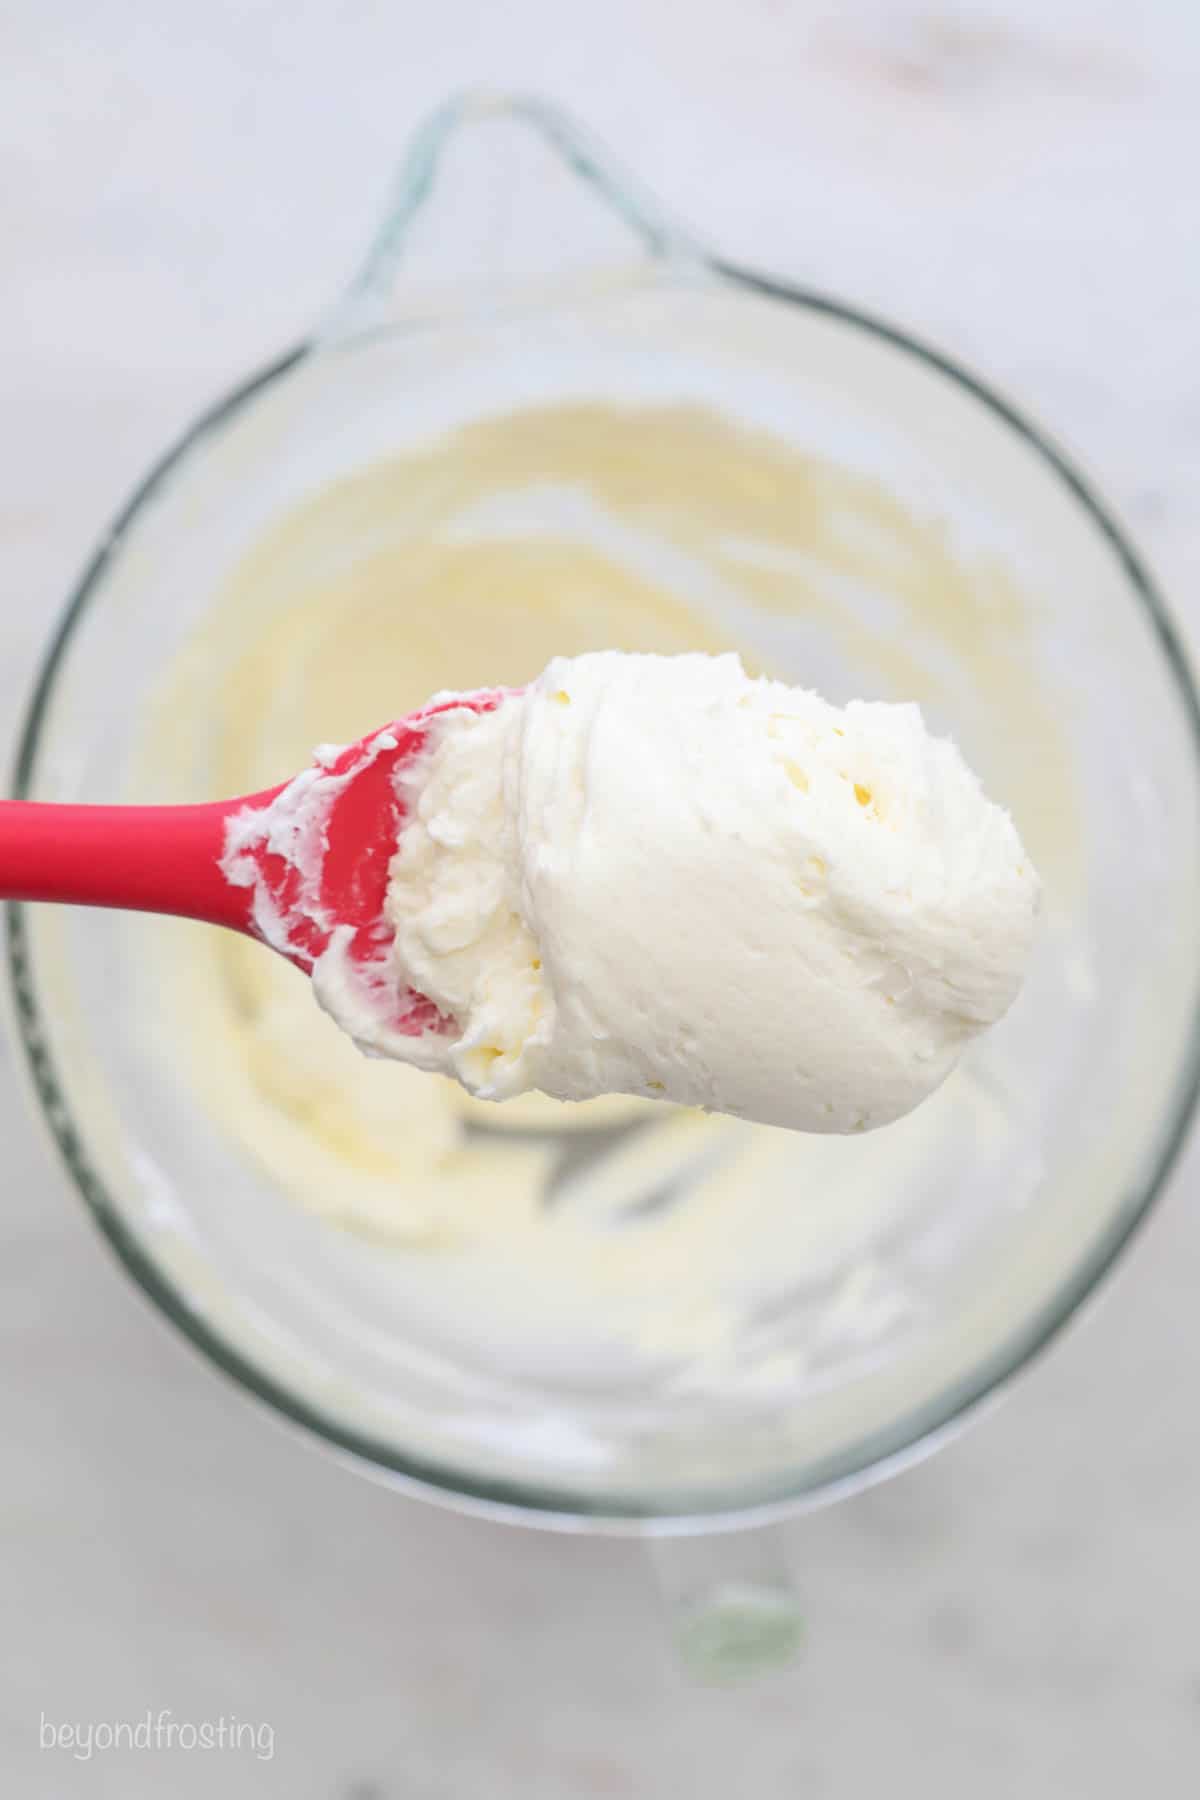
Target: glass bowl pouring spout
x,y
502,200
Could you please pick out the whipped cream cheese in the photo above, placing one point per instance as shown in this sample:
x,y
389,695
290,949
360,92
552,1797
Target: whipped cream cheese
x,y
654,875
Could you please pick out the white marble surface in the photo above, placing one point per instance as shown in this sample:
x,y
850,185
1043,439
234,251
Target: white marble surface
x,y
182,186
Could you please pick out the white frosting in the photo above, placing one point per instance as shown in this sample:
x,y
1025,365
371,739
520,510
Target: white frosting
x,y
653,875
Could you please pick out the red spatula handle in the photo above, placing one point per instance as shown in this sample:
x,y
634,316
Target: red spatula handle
x,y
163,859
167,859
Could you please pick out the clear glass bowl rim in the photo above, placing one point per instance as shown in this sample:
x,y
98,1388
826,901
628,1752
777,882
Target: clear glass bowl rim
x,y
906,1439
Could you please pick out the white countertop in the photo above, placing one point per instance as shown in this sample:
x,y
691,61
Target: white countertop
x,y
182,188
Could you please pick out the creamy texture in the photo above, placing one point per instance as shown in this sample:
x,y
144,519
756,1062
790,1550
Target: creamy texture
x,y
685,1253
655,876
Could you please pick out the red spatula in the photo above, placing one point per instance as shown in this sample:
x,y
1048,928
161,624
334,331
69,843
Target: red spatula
x,y
294,877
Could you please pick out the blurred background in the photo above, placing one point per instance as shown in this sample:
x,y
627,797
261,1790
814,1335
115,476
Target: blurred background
x,y
182,190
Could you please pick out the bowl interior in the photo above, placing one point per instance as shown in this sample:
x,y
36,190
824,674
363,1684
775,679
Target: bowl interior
x,y
613,1311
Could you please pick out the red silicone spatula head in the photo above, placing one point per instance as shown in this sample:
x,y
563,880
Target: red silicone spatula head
x,y
316,854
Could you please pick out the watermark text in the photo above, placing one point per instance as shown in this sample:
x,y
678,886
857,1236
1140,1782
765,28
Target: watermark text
x,y
160,1730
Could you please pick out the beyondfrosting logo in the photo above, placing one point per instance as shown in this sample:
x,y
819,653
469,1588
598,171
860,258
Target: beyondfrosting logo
x,y
157,1731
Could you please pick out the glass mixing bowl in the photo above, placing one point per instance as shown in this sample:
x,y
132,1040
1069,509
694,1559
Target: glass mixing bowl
x,y
879,521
